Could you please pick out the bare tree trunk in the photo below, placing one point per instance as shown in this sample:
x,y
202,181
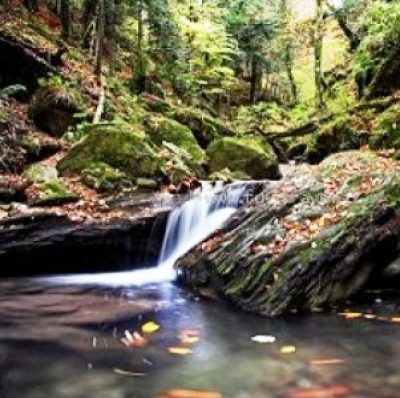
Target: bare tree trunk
x,y
99,38
65,15
139,78
318,37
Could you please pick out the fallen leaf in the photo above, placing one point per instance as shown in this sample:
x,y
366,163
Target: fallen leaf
x,y
263,339
327,361
134,340
122,372
180,351
395,319
189,337
190,394
322,392
351,315
150,327
288,349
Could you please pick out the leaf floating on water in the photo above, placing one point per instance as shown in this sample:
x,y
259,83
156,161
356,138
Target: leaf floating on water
x,y
134,340
327,362
264,339
150,327
122,372
351,315
288,349
322,392
190,394
180,351
189,337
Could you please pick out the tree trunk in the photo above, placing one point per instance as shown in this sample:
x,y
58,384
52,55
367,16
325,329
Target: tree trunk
x,y
318,37
99,38
65,15
139,78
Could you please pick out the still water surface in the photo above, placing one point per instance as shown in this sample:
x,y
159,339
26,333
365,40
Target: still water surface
x,y
63,340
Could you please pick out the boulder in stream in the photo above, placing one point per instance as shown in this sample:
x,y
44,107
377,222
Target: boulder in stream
x,y
312,240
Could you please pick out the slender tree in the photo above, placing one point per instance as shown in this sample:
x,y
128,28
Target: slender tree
x,y
100,25
318,38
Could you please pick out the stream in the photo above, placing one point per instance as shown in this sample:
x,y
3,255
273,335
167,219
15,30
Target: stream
x,y
61,336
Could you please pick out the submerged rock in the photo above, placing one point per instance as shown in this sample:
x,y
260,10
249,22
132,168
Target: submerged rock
x,y
249,155
278,254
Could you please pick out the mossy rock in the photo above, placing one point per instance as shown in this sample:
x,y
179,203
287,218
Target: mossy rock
x,y
249,155
53,107
53,193
102,177
39,173
228,176
118,146
387,130
162,129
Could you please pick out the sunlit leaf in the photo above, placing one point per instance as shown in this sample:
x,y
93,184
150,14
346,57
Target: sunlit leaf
x,y
180,351
134,340
150,327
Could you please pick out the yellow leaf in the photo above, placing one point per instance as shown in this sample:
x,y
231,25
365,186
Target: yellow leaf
x,y
288,349
150,327
179,351
395,319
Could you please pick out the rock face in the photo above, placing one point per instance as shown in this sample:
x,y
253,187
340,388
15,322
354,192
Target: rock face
x,y
48,243
312,240
117,146
249,155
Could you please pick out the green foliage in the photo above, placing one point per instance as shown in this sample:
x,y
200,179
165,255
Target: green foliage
x,y
10,91
382,29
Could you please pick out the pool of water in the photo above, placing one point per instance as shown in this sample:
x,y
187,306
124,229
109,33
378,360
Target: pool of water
x,y
60,339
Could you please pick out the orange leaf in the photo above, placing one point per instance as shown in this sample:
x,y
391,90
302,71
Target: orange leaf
x,y
190,394
327,362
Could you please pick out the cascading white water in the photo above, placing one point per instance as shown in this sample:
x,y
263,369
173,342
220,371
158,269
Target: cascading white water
x,y
195,220
206,211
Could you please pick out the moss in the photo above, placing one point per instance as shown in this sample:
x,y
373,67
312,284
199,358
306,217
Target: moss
x,y
102,177
119,146
387,129
163,129
250,155
39,173
53,193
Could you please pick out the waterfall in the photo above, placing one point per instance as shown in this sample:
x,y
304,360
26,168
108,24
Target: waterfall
x,y
196,219
204,212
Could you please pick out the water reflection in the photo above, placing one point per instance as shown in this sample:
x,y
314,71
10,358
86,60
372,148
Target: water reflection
x,y
64,341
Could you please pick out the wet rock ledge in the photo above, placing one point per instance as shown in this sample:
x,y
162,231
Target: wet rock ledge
x,y
308,242
45,242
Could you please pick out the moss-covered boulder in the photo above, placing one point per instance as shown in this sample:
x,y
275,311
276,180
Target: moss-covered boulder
x,y
51,193
162,129
104,178
307,242
39,173
118,146
386,132
53,107
250,155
